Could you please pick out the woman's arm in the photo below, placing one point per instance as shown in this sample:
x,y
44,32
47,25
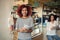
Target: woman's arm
x,y
29,31
24,30
17,26
31,25
20,30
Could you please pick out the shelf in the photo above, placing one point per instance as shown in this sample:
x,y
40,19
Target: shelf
x,y
36,35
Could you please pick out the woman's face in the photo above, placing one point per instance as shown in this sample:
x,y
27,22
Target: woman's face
x,y
24,11
52,18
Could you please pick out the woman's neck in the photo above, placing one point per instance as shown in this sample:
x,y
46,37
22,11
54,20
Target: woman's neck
x,y
24,17
52,21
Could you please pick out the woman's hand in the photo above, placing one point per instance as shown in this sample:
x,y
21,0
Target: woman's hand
x,y
23,29
19,30
27,30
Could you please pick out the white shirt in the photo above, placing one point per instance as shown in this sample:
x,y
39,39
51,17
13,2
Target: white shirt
x,y
53,31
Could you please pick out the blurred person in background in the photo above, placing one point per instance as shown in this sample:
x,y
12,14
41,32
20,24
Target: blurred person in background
x,y
51,28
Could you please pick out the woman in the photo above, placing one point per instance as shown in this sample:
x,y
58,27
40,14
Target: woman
x,y
51,28
24,24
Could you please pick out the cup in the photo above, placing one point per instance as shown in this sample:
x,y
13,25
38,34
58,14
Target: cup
x,y
26,26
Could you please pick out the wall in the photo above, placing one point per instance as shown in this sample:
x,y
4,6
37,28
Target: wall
x,y
5,10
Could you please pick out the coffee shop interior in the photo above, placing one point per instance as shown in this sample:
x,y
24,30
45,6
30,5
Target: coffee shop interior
x,y
41,9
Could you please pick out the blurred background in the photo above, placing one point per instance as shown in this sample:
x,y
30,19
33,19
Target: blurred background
x,y
40,12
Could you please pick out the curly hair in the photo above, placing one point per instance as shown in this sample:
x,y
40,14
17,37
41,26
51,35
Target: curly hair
x,y
29,9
